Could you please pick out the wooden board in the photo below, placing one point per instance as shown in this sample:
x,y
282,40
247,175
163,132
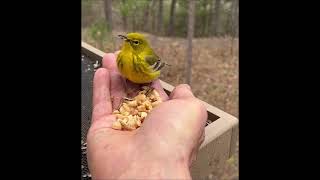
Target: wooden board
x,y
211,156
220,134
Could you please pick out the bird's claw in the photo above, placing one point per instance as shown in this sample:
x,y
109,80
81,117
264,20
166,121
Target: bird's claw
x,y
122,100
127,99
150,89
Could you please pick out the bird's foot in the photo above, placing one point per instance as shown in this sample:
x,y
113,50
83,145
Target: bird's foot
x,y
149,90
127,99
123,99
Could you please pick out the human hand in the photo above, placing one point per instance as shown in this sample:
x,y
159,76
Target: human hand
x,y
162,148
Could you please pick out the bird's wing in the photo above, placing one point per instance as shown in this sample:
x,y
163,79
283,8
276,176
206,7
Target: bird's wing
x,y
154,62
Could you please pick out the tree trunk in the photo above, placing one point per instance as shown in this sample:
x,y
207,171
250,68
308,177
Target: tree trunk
x,y
134,24
108,12
153,24
134,18
204,19
171,21
216,18
124,14
125,23
228,24
191,14
160,17
210,19
146,14
235,20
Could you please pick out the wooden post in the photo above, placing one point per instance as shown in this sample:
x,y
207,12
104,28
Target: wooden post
x,y
190,37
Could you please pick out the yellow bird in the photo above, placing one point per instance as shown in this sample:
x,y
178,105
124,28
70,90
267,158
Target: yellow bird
x,y
137,61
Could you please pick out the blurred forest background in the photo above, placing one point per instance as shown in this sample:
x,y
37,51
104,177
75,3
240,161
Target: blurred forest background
x,y
199,38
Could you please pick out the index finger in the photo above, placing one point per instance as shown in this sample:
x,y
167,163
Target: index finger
x,y
109,61
101,94
117,89
157,85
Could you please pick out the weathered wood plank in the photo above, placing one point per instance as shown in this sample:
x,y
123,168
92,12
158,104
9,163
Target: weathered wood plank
x,y
211,156
234,138
93,53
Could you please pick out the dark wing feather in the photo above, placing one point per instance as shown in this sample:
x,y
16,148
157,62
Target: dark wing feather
x,y
155,62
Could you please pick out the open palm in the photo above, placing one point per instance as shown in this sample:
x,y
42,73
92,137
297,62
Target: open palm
x,y
168,139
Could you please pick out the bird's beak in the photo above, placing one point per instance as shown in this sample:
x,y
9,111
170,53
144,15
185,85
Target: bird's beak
x,y
123,37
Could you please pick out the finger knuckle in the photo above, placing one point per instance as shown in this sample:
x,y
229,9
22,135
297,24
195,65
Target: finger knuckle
x,y
199,106
101,72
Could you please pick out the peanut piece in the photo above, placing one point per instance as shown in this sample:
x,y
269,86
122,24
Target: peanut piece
x,y
147,104
121,121
152,97
134,111
120,116
131,123
131,114
133,103
116,112
140,98
116,125
126,107
135,117
124,121
138,122
126,113
141,108
143,114
149,107
122,110
156,103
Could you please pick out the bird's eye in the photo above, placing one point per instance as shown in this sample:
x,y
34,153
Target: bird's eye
x,y
136,42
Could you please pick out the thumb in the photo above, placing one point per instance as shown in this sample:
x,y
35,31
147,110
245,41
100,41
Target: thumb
x,y
182,91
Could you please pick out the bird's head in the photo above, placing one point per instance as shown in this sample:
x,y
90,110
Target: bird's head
x,y
136,41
